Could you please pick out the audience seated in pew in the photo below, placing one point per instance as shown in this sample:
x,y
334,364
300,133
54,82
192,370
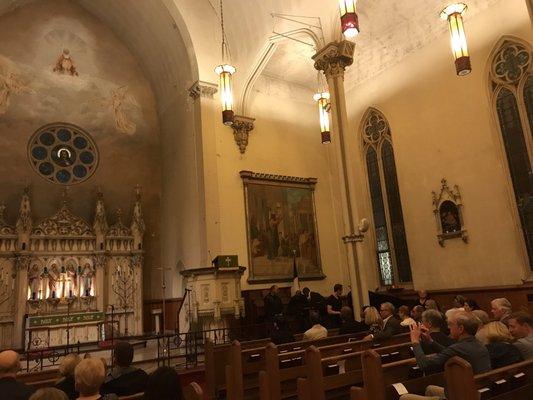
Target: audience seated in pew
x,y
482,316
163,384
431,324
10,388
349,324
49,394
497,339
463,326
317,331
66,369
470,305
521,327
501,309
416,313
391,325
124,380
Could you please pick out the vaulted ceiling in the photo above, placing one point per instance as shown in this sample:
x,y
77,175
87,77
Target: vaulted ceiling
x,y
178,40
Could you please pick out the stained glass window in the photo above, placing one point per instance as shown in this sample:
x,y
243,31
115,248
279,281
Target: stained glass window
x,y
509,71
63,153
380,221
395,213
518,161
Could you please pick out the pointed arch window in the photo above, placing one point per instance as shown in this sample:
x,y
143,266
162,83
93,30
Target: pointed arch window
x,y
391,243
511,81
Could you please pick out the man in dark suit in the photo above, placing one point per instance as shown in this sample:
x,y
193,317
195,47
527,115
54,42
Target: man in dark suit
x,y
463,327
9,387
124,380
431,324
391,325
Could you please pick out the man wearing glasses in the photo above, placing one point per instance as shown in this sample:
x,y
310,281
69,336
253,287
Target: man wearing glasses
x,y
391,325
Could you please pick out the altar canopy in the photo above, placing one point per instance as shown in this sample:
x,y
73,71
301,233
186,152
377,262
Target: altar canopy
x,y
64,281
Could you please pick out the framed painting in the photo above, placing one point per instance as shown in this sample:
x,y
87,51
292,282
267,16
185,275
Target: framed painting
x,y
281,227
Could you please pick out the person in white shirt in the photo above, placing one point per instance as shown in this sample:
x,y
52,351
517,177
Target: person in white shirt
x,y
317,331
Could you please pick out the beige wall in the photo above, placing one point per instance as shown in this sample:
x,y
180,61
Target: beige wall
x,y
33,37
442,127
285,141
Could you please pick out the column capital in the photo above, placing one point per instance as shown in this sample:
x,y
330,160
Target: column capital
x,y
333,58
242,126
203,89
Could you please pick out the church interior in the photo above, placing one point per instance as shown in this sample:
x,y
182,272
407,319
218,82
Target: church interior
x,y
281,199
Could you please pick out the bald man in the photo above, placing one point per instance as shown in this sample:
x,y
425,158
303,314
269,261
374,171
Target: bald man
x,y
9,387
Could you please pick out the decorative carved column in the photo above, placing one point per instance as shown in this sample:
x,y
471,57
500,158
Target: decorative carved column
x,y
22,263
332,60
242,126
100,261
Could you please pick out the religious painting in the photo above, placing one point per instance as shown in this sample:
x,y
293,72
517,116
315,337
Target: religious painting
x,y
281,228
449,217
447,207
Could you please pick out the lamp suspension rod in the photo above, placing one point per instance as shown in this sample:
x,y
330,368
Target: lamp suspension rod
x,y
286,17
225,51
291,38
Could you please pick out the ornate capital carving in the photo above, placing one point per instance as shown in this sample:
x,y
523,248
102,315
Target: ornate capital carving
x,y
333,58
242,126
203,89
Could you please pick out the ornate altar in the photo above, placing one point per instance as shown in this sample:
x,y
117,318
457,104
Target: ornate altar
x,y
63,281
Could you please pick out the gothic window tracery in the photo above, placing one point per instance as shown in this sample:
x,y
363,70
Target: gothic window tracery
x,y
391,242
511,81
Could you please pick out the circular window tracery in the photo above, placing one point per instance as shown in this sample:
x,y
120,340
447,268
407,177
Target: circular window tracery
x,y
63,153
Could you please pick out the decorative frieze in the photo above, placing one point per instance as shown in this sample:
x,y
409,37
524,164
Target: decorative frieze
x,y
333,58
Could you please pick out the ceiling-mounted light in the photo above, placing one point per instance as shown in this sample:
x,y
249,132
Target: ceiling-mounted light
x,y
454,14
349,18
323,110
225,72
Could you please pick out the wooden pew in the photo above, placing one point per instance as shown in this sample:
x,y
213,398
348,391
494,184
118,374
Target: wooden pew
x,y
325,377
514,382
281,379
382,380
192,391
245,365
216,358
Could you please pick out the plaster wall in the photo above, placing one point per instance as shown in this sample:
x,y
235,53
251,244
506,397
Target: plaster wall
x,y
443,127
285,141
33,37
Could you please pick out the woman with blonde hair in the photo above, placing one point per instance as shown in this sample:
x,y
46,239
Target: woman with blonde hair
x,y
373,320
497,338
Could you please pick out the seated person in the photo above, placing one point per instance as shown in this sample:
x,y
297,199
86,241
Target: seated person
x,y
497,339
349,325
281,332
431,324
463,326
416,313
470,305
163,384
521,327
405,319
373,320
317,331
124,380
391,326
9,387
89,375
49,394
66,369
501,309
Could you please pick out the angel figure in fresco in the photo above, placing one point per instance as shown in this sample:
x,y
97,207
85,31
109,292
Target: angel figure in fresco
x,y
10,84
119,101
65,64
